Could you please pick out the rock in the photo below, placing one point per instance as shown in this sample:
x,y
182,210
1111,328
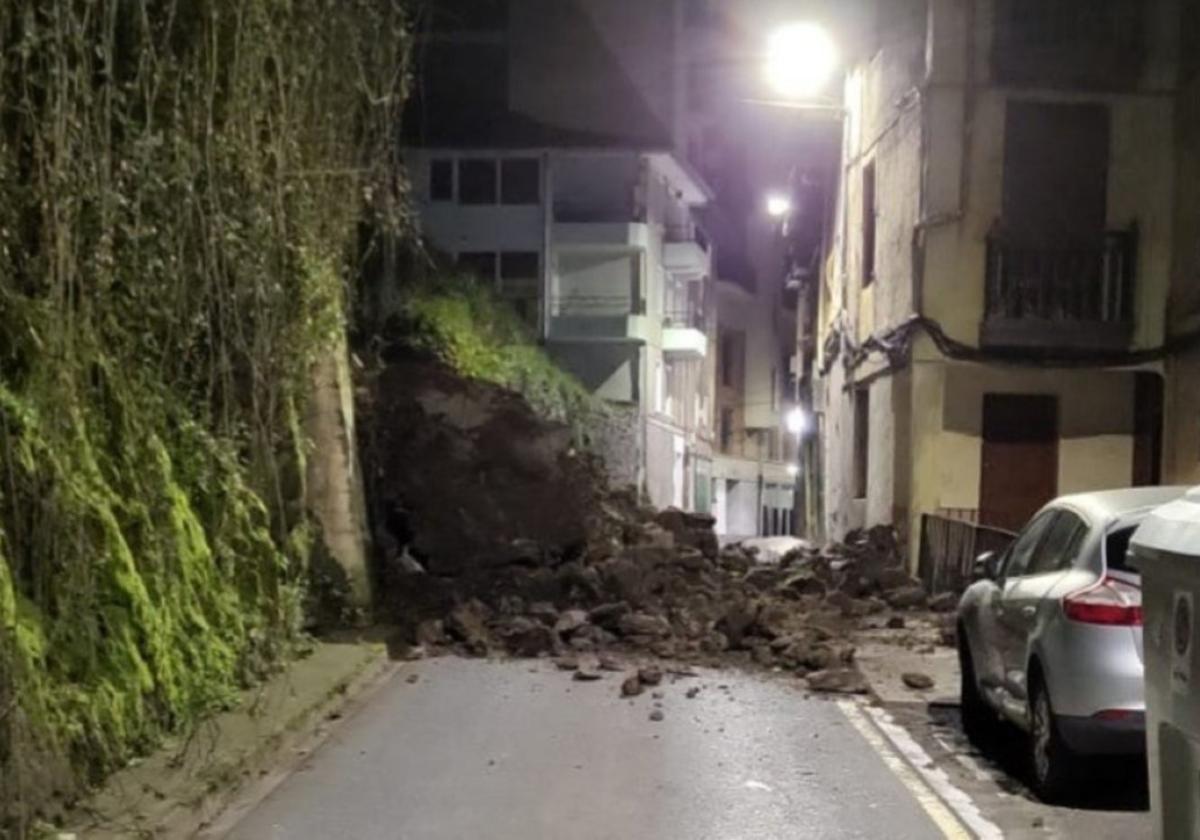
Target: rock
x,y
653,534
431,632
918,682
896,622
692,693
907,597
657,715
567,663
543,611
632,686
569,622
739,617
714,642
772,620
644,624
409,564
944,602
650,675
837,681
411,679
466,623
609,663
583,675
526,637
804,582
608,615
891,579
764,656
762,578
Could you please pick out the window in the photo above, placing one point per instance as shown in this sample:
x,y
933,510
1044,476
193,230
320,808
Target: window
x,y
441,180
869,211
477,181
480,263
1059,549
520,265
731,351
774,389
862,440
520,181
1116,550
726,428
1026,543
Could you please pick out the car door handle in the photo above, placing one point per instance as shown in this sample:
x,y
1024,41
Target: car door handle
x,y
1029,612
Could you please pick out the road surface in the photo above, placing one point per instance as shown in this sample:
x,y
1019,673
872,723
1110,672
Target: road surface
x,y
517,750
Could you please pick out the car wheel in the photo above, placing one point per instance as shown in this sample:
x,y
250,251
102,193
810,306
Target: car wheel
x,y
977,719
1051,761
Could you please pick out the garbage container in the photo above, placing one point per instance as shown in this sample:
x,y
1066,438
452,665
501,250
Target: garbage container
x,y
1166,549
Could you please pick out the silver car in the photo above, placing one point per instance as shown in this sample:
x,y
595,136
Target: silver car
x,y
1050,635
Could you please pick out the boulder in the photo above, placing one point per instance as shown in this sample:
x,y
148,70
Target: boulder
x,y
907,597
644,624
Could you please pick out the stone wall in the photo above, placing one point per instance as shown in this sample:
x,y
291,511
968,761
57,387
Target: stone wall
x,y
617,437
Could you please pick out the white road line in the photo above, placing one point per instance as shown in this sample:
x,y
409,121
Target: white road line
x,y
939,812
958,801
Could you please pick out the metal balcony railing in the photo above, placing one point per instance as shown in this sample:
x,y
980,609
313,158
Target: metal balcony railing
x,y
1086,286
584,306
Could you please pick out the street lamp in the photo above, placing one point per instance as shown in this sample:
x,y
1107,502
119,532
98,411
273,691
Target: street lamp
x,y
796,421
801,59
778,205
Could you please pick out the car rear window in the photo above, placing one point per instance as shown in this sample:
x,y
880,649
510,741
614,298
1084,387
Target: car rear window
x,y
1116,549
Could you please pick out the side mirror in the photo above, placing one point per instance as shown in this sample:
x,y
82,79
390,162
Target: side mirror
x,y
987,566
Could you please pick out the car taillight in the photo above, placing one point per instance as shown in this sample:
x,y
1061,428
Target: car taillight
x,y
1110,602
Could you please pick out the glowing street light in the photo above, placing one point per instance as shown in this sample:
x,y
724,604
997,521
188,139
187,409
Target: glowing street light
x,y
796,421
801,59
793,470
778,205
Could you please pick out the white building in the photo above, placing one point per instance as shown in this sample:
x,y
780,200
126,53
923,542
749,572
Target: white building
x,y
599,250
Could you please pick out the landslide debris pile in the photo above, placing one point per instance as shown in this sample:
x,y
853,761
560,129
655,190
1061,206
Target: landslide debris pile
x,y
496,536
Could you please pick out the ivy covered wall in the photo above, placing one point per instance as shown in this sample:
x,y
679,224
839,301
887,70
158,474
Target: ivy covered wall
x,y
181,188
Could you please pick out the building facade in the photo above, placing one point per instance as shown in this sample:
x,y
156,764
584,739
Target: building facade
x,y
1182,445
992,309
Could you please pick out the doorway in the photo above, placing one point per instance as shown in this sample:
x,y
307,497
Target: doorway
x,y
1020,458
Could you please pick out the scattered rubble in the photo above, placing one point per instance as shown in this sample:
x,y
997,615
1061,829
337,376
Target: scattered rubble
x,y
496,536
917,682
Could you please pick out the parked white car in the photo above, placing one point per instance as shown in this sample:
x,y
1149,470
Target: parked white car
x,y
1050,636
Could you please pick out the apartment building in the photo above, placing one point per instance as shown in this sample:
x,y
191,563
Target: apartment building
x,y
575,203
992,311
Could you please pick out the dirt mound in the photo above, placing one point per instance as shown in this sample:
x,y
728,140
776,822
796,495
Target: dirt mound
x,y
465,476
495,535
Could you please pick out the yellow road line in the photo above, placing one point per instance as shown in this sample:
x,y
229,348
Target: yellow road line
x,y
941,815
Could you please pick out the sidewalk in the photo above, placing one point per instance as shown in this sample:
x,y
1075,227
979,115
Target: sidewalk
x,y
885,656
178,790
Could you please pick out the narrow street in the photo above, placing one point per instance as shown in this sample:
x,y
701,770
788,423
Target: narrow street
x,y
453,748
514,750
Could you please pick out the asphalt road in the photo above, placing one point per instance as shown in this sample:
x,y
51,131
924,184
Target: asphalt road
x,y
514,750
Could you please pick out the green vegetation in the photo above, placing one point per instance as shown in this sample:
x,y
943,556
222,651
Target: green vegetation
x,y
181,190
479,335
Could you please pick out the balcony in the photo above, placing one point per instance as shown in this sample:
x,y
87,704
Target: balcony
x,y
601,319
685,335
602,236
686,253
1061,299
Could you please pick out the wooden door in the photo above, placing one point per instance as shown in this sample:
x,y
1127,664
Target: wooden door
x,y
1020,458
